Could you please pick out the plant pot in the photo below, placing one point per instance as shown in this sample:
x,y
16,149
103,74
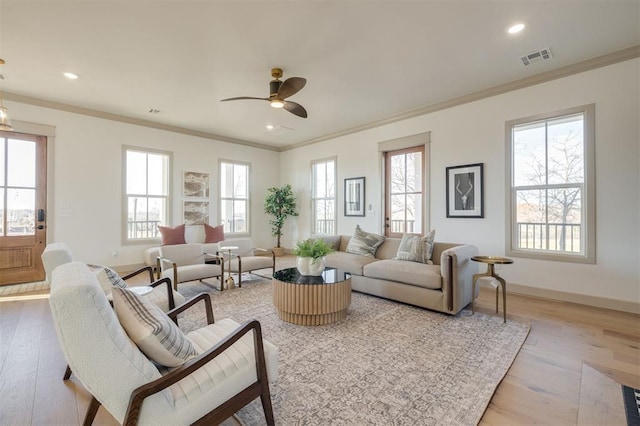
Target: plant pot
x,y
310,266
278,251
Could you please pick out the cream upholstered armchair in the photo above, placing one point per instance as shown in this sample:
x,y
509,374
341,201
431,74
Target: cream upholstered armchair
x,y
230,365
188,262
246,258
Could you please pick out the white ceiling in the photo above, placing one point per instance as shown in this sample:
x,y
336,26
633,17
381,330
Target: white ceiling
x,y
364,61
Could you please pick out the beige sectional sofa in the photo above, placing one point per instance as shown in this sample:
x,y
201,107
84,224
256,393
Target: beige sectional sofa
x,y
444,286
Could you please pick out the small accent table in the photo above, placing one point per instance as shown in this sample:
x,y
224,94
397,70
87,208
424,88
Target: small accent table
x,y
312,300
491,261
229,281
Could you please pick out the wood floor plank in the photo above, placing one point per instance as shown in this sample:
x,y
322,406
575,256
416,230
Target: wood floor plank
x,y
600,401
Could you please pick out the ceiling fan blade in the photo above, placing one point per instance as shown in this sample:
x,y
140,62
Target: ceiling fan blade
x,y
243,98
291,86
295,108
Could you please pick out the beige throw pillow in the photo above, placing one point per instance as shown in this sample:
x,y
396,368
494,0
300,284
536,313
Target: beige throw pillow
x,y
151,329
415,248
108,278
364,243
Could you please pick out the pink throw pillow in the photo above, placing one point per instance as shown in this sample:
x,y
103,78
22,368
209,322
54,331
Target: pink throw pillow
x,y
171,236
213,234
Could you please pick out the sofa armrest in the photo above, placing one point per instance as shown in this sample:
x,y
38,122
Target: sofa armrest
x,y
457,269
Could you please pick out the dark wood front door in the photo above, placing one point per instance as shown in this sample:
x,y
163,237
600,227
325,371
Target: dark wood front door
x,y
23,213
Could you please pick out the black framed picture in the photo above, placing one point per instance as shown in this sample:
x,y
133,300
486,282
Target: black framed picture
x,y
354,196
465,191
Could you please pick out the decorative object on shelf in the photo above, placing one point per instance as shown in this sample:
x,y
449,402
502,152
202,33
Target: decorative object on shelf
x,y
196,212
279,203
465,191
311,256
195,184
354,196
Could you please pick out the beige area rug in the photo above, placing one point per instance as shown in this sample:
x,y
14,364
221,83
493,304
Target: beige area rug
x,y
386,363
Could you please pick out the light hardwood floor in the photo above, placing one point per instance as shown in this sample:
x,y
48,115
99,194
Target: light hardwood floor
x,y
542,386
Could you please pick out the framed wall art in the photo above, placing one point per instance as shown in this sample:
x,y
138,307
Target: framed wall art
x,y
196,212
196,184
354,196
465,191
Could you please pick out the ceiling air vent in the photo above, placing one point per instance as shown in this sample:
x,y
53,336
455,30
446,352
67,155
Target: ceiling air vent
x,y
537,56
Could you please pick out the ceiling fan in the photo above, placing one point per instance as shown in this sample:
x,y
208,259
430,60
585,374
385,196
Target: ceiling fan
x,y
279,91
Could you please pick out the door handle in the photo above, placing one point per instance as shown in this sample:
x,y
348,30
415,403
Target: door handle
x,y
40,226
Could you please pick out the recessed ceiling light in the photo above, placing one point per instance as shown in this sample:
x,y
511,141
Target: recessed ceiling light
x,y
71,76
270,127
516,28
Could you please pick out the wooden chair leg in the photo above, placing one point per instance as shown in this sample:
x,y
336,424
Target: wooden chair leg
x,y
67,373
265,397
91,411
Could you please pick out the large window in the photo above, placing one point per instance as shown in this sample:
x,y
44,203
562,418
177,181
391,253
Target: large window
x,y
234,197
551,175
323,197
147,192
405,194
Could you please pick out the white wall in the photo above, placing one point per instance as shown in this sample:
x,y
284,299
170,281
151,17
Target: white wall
x,y
475,133
85,185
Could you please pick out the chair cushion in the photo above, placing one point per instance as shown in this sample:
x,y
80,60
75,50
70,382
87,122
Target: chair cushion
x,y
364,243
230,371
151,329
414,273
416,248
171,235
159,297
194,272
183,254
249,263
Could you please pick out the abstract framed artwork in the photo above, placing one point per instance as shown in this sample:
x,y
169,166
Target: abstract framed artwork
x,y
465,191
354,196
196,184
196,212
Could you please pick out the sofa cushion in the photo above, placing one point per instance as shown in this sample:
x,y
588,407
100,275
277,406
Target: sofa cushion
x,y
151,329
213,234
171,235
414,273
364,243
349,262
194,272
416,248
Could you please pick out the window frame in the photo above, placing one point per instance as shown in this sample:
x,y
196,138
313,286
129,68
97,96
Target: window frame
x,y
221,163
588,219
125,195
313,199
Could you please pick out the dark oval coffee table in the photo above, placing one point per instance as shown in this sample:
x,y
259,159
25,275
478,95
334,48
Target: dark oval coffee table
x,y
311,300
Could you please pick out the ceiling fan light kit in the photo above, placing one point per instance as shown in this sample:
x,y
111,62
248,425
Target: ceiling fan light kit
x,y
279,91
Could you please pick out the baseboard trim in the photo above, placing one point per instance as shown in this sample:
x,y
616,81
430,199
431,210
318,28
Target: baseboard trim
x,y
582,299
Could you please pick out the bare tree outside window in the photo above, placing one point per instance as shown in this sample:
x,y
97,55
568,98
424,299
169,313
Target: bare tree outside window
x,y
405,198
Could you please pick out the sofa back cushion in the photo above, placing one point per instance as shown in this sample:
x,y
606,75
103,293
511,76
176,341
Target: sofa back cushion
x,y
388,249
183,254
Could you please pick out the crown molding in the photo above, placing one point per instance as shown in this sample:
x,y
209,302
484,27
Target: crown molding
x,y
593,63
579,67
130,120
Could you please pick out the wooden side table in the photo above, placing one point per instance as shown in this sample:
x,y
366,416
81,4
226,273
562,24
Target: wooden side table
x,y
491,261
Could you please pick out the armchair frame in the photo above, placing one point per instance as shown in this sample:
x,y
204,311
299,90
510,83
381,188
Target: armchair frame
x,y
260,388
160,260
240,271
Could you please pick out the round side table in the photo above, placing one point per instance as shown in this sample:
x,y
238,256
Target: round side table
x,y
229,281
491,261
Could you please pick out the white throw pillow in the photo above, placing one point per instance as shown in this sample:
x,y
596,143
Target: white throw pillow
x,y
415,248
151,329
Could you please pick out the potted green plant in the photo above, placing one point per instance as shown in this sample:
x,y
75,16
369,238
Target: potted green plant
x,y
279,203
311,256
